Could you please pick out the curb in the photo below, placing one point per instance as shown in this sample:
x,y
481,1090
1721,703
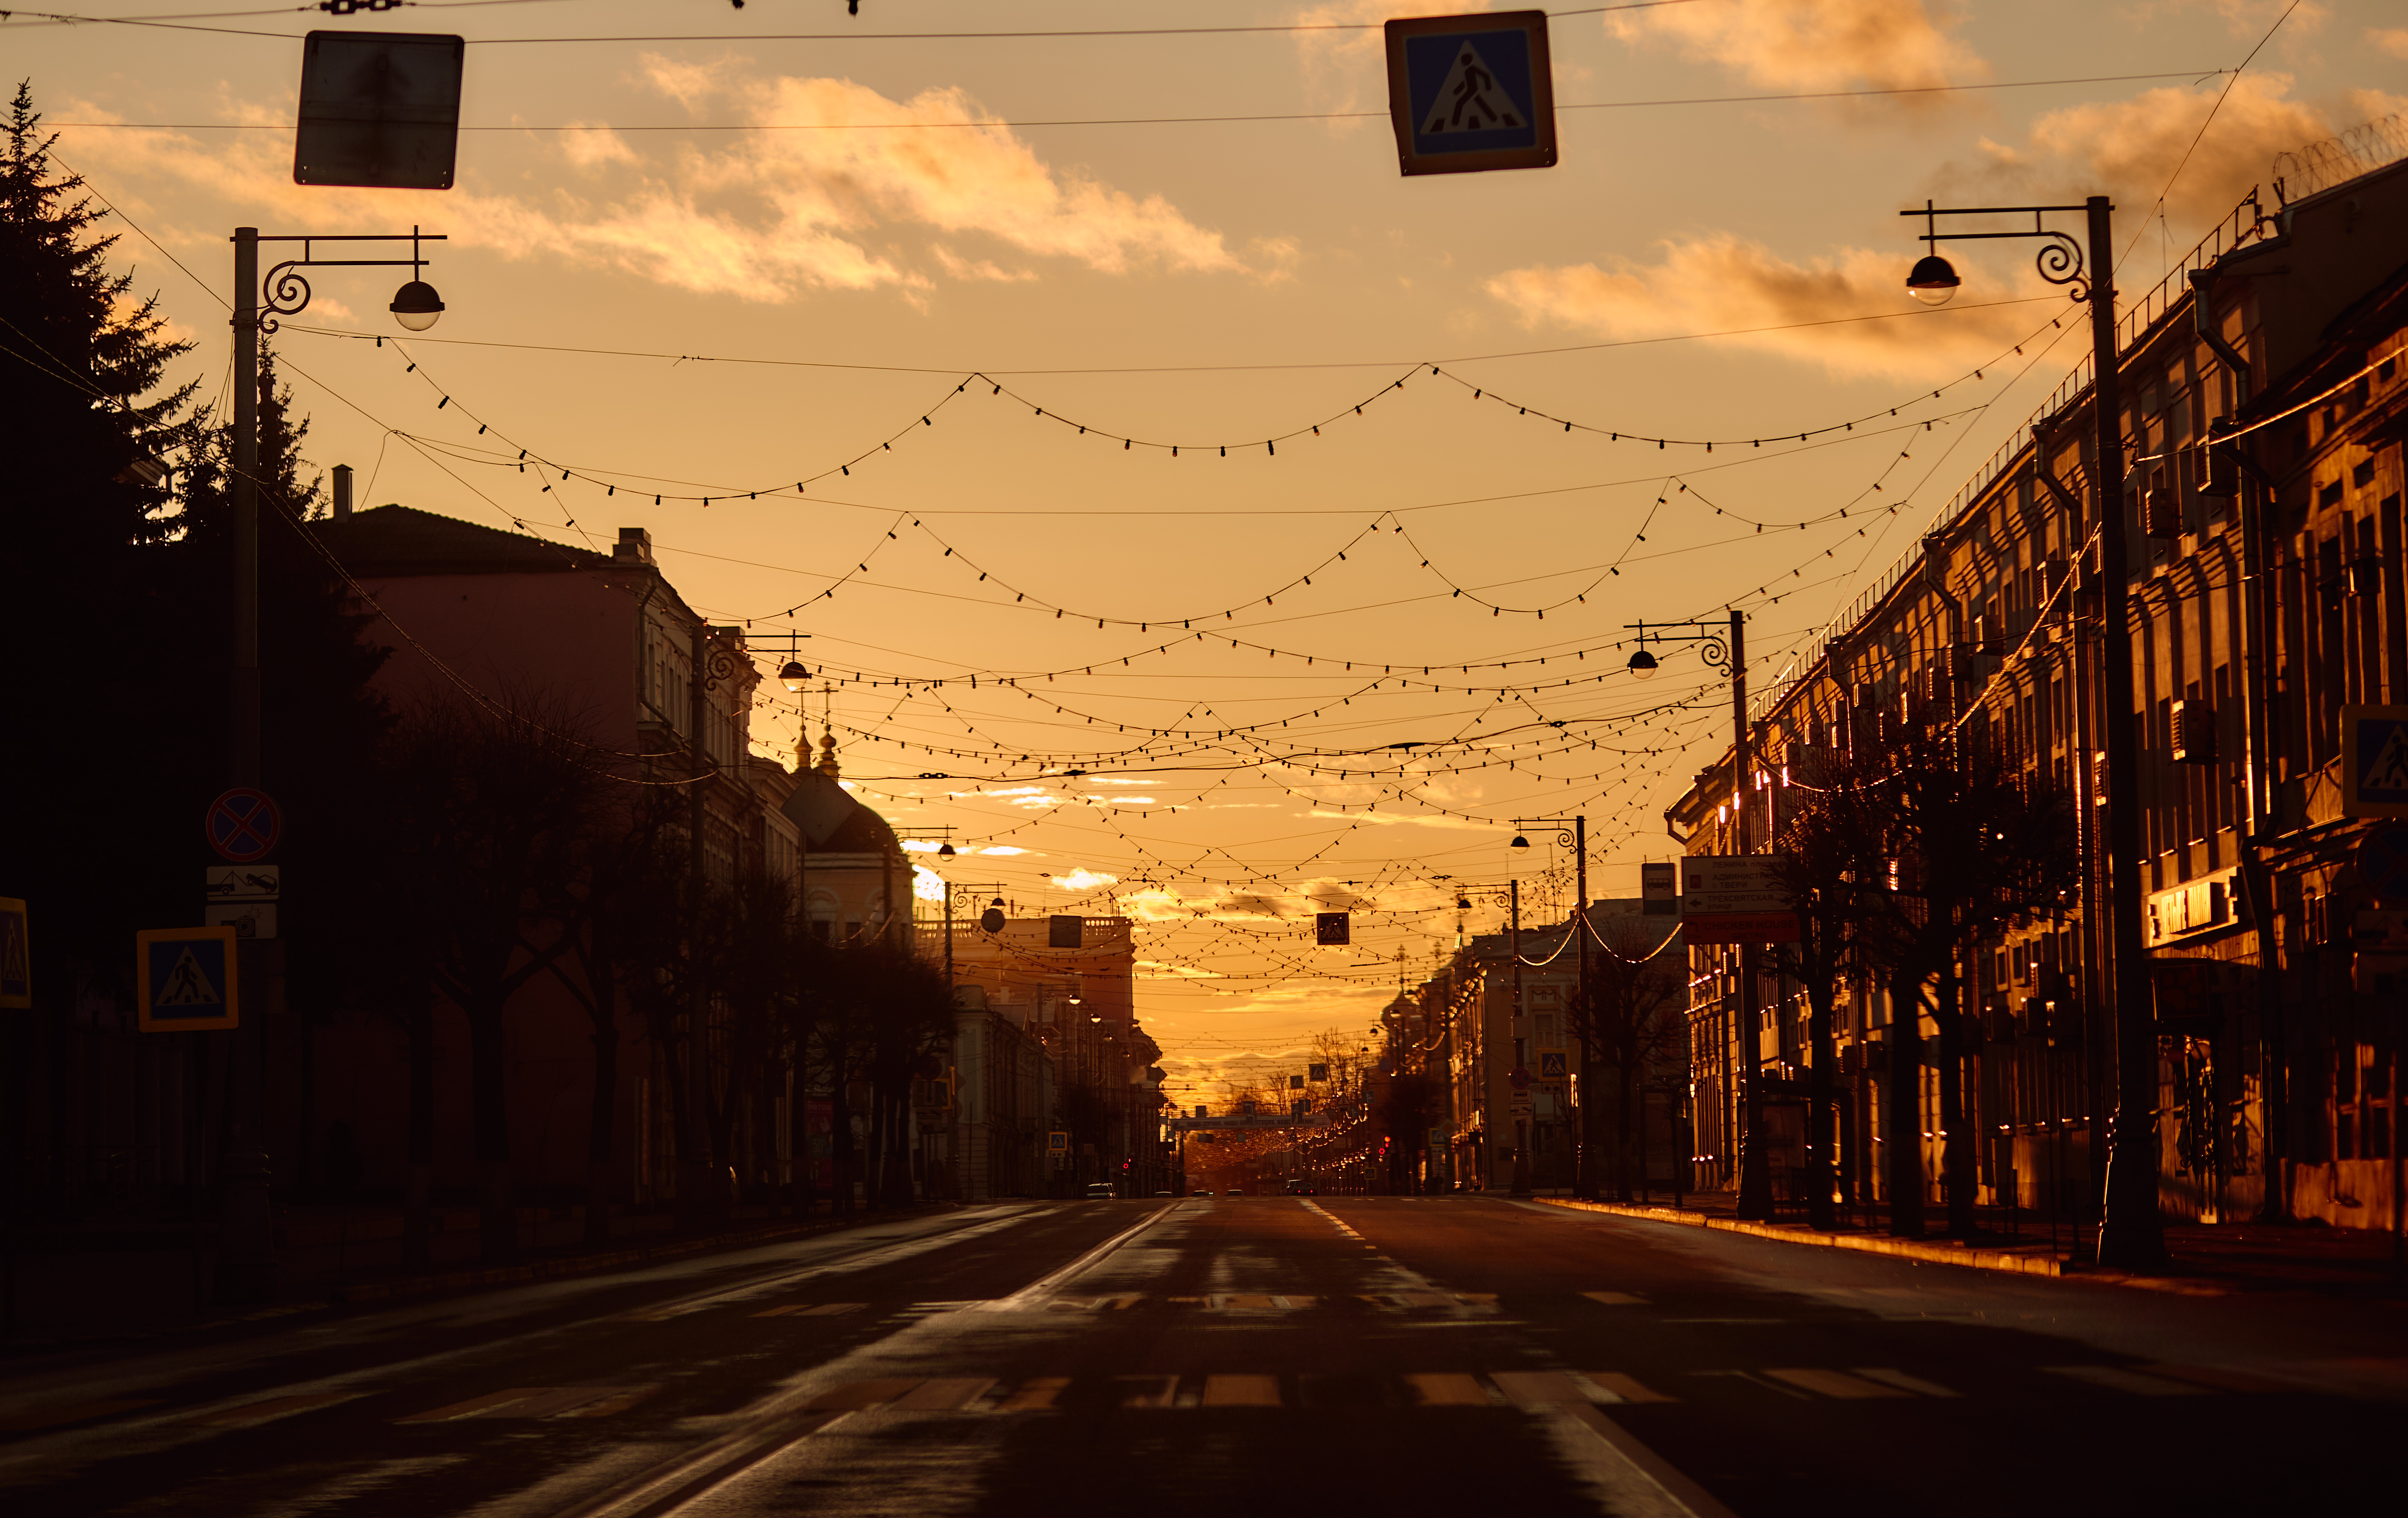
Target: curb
x,y
1912,1248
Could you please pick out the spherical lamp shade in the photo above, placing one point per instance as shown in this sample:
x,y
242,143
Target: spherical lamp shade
x,y
944,850
416,306
1519,842
1643,664
1932,280
794,675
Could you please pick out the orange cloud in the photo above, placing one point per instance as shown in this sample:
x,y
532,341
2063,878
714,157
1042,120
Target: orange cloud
x,y
1811,44
1347,71
1724,283
2129,148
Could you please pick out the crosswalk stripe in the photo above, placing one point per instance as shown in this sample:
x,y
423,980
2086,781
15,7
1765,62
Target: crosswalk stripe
x,y
1625,1388
1903,1381
1447,1389
830,1310
1146,1391
1035,1395
1836,1383
1242,1391
2117,1379
1615,1299
1533,1389
943,1396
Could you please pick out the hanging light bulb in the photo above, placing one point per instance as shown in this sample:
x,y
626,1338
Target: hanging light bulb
x,y
1933,281
794,675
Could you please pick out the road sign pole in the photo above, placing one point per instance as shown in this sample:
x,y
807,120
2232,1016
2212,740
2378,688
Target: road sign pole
x,y
1755,1174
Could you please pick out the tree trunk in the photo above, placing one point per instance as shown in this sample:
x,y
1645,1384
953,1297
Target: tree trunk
x,y
488,1103
1903,1092
1819,1181
417,1209
1955,1137
1625,1081
601,1124
1590,1179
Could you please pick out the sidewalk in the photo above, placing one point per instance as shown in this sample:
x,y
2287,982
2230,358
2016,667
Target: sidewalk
x,y
2203,1259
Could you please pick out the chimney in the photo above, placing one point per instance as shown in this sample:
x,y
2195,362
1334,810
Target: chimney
x,y
342,493
634,546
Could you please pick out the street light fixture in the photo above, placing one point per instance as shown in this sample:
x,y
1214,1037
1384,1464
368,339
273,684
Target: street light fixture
x,y
1519,842
2129,1232
1932,280
794,675
1642,665
416,306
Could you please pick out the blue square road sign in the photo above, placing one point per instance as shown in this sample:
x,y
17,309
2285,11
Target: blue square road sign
x,y
188,979
1472,92
2375,760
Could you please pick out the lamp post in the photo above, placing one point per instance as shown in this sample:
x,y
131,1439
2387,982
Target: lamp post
x,y
245,1245
2130,1234
1570,833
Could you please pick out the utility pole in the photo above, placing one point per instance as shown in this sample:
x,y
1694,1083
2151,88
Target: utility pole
x,y
697,1203
1580,987
1755,1174
2130,1233
1521,1121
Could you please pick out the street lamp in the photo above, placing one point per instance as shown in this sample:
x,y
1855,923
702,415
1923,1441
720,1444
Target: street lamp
x,y
1642,665
2130,1234
792,676
246,1249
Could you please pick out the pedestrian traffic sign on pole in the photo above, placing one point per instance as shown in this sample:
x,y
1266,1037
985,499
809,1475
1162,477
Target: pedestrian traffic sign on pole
x,y
1472,92
16,956
1057,1143
187,979
2375,760
244,825
1332,928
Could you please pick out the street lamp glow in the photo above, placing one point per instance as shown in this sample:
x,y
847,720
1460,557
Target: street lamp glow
x,y
1933,281
1643,664
794,675
416,306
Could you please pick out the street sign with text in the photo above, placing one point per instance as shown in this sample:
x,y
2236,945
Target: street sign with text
x,y
1736,898
1472,92
187,979
379,108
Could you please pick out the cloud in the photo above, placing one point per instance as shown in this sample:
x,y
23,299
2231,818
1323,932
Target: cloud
x,y
1083,879
2390,39
763,215
1813,44
1003,849
1724,283
2129,148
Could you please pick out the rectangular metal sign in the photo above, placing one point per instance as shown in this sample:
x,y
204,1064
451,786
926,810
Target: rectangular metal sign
x,y
16,956
2375,760
249,919
379,108
1065,932
1659,890
1472,92
243,882
187,979
1736,898
1057,1143
1332,928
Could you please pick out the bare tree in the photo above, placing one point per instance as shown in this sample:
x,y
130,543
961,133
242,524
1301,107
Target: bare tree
x,y
1626,1015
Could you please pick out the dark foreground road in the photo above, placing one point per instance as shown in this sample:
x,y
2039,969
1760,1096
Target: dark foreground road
x,y
1390,1357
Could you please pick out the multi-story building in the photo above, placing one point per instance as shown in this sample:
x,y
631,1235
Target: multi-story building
x,y
2264,409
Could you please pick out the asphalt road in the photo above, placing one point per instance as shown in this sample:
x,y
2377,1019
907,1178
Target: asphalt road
x,y
1384,1356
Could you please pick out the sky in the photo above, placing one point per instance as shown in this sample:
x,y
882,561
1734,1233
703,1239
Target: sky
x,y
902,330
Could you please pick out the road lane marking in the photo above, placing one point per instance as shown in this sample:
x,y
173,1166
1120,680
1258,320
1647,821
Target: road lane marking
x,y
2222,1378
854,1396
949,1395
539,1402
1837,1384
2117,1379
1903,1381
250,1416
1632,1480
1448,1389
1037,1292
1615,1299
35,1419
1755,1379
809,1309
1241,1392
1531,1390
1622,1388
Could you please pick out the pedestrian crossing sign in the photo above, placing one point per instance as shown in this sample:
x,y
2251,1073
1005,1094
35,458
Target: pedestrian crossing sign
x,y
189,978
2375,760
1472,92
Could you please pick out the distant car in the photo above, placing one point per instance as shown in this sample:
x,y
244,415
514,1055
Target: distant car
x,y
1200,1194
1302,1188
1099,1189
1162,1193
